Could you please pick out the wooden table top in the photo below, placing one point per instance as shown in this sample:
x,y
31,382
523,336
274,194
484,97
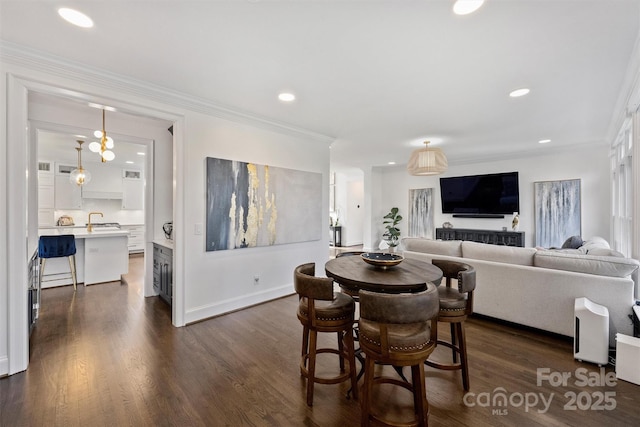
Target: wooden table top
x,y
410,275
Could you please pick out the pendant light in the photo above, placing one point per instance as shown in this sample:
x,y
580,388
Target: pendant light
x,y
105,145
79,176
427,161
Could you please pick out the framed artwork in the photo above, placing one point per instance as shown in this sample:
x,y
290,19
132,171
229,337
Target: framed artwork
x,y
557,212
421,213
251,205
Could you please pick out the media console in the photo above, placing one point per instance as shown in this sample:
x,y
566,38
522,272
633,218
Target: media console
x,y
492,237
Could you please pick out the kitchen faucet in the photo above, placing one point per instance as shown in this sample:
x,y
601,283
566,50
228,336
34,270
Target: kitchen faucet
x,y
89,226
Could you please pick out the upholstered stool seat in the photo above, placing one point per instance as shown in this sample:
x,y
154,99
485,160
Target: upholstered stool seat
x,y
62,246
452,302
456,304
322,310
399,330
339,309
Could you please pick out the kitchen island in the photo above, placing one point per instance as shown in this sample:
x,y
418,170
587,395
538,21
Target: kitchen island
x,y
102,255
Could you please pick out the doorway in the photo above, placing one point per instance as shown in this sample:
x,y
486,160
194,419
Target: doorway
x,y
22,194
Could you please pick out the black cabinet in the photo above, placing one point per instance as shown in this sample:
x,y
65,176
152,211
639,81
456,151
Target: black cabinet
x,y
336,236
163,272
492,237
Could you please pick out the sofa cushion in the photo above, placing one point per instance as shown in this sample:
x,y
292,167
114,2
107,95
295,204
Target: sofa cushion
x,y
591,264
437,247
605,252
497,253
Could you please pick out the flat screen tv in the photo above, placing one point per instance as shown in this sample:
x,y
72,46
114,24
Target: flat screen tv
x,y
480,195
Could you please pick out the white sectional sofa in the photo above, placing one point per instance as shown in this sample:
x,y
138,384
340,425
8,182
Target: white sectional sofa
x,y
538,288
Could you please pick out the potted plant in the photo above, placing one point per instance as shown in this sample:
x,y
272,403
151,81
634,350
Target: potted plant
x,y
392,233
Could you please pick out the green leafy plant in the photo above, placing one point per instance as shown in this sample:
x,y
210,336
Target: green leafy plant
x,y
390,222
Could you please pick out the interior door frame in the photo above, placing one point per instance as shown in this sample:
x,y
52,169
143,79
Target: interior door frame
x,y
21,223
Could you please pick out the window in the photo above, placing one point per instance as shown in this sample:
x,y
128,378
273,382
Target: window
x,y
622,189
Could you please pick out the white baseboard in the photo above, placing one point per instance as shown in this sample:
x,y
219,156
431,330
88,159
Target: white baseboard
x,y
233,304
4,366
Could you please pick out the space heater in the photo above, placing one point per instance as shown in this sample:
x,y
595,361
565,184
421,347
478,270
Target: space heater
x,y
591,332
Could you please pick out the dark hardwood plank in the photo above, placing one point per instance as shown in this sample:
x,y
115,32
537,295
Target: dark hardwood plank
x,y
105,356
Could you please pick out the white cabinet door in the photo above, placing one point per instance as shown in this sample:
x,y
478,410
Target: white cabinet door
x,y
136,237
45,194
132,194
68,195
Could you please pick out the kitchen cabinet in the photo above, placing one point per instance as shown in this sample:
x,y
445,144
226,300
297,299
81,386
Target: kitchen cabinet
x,y
163,271
46,207
136,237
67,194
106,182
132,193
101,256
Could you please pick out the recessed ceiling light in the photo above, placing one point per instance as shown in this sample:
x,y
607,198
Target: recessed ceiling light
x,y
519,92
129,162
544,141
286,97
464,7
76,18
140,153
391,163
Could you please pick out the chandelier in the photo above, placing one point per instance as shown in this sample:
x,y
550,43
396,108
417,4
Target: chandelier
x,y
427,161
105,145
79,176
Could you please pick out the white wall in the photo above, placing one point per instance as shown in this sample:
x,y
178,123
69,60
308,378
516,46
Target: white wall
x,y
590,165
219,281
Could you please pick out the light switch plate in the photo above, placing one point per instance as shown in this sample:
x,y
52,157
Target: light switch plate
x,y
197,229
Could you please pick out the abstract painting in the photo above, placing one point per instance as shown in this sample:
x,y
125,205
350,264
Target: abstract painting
x,y
251,205
421,213
557,212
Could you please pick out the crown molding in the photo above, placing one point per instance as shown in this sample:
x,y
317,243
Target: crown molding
x,y
11,53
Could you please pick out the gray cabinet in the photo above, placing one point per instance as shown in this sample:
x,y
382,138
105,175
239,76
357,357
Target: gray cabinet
x,y
163,272
493,237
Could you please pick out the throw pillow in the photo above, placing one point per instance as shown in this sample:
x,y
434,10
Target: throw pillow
x,y
573,242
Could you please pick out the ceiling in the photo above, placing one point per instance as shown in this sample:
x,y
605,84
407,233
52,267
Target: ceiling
x,y
61,147
378,76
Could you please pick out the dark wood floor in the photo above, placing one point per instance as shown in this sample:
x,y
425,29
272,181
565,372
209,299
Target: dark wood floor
x,y
106,356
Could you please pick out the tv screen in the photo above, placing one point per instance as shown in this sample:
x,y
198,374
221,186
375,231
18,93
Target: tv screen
x,y
490,194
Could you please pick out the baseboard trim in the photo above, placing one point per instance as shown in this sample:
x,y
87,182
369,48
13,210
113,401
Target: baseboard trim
x,y
4,366
201,313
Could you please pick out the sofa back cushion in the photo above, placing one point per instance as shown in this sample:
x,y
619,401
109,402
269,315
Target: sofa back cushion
x,y
498,253
429,246
613,266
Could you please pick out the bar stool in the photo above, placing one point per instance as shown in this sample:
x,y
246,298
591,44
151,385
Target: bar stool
x,y
320,310
456,304
399,330
57,247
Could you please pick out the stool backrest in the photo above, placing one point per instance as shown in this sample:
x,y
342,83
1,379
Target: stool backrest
x,y
307,285
465,274
400,308
57,246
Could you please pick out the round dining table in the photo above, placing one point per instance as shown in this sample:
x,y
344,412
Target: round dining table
x,y
352,273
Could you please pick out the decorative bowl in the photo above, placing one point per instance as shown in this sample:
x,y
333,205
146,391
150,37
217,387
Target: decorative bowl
x,y
380,259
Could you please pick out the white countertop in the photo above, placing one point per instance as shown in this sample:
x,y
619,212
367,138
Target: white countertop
x,y
82,233
164,242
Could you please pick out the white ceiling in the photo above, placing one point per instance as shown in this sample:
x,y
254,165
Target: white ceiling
x,y
378,76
